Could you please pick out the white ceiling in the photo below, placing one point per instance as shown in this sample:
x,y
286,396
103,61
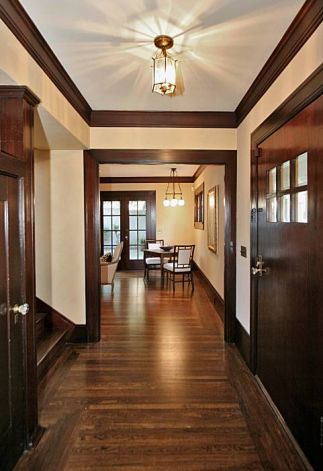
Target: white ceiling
x,y
106,47
160,170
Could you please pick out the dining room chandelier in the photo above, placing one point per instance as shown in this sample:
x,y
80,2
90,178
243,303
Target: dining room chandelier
x,y
164,66
172,197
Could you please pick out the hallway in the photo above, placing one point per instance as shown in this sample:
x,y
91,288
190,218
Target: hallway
x,y
160,391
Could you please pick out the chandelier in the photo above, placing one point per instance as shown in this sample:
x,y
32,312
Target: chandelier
x,y
164,67
172,197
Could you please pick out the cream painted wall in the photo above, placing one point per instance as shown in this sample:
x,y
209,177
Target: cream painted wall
x,y
59,232
304,63
163,138
174,225
211,264
20,68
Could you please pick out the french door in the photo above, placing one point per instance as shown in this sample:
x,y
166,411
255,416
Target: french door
x,y
289,275
129,217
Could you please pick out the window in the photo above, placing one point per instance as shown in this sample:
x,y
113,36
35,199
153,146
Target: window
x,y
286,199
199,207
111,225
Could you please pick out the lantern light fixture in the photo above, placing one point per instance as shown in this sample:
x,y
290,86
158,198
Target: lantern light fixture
x,y
164,67
173,198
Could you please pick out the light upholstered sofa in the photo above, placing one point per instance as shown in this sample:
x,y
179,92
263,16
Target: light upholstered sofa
x,y
108,269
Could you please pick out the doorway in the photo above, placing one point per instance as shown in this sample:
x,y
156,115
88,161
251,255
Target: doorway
x,y
92,159
287,292
128,216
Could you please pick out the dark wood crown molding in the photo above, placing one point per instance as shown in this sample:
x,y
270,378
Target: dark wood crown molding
x,y
20,24
302,27
305,23
18,91
164,119
145,179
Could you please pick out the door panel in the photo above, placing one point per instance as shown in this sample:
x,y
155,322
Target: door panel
x,y
290,294
131,217
12,394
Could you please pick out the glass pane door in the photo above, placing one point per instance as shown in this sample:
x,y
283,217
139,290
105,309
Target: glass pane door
x,y
111,215
137,211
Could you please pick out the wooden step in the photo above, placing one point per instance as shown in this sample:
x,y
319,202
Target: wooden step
x,y
41,325
49,348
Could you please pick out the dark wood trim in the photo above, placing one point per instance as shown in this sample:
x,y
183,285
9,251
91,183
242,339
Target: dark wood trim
x,y
20,24
199,171
306,93
92,245
19,91
243,342
155,156
93,157
199,209
163,119
303,26
211,291
145,179
57,319
79,334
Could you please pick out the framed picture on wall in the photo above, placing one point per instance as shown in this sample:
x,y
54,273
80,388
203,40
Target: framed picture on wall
x,y
199,207
213,218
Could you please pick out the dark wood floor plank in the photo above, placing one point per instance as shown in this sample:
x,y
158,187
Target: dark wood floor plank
x,y
156,393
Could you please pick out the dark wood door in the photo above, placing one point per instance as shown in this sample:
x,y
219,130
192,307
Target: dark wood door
x,y
290,293
129,216
12,382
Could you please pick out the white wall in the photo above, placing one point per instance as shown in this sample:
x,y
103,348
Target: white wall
x,y
211,264
59,232
304,63
174,225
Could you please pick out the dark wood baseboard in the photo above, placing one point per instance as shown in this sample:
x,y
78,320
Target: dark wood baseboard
x,y
78,331
243,342
212,293
58,320
79,334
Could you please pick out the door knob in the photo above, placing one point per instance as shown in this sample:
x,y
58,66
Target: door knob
x,y
259,268
22,309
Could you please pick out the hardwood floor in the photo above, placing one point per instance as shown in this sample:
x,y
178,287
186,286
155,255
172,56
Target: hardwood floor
x,y
160,391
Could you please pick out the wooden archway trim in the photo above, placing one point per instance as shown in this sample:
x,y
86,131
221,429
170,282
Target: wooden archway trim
x,y
94,157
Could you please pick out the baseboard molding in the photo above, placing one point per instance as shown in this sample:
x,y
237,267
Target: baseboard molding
x,y
212,293
243,342
78,331
279,418
58,320
79,334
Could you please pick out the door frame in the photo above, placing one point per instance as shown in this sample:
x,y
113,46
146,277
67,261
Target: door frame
x,y
17,105
305,94
92,159
122,195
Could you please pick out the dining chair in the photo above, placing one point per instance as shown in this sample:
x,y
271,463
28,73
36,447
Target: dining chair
x,y
152,263
180,265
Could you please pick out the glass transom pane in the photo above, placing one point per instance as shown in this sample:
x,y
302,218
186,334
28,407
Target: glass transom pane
x,y
300,206
301,170
285,176
272,209
285,208
272,180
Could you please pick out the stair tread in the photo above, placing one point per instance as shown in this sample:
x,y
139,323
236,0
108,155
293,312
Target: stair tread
x,y
48,342
40,316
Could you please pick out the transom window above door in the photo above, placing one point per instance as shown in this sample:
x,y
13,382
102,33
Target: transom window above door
x,y
286,198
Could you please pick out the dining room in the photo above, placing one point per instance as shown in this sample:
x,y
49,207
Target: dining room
x,y
170,205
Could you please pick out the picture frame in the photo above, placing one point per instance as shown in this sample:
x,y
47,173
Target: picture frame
x,y
213,218
199,207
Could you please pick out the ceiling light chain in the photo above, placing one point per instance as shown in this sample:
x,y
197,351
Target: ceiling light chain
x,y
173,198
